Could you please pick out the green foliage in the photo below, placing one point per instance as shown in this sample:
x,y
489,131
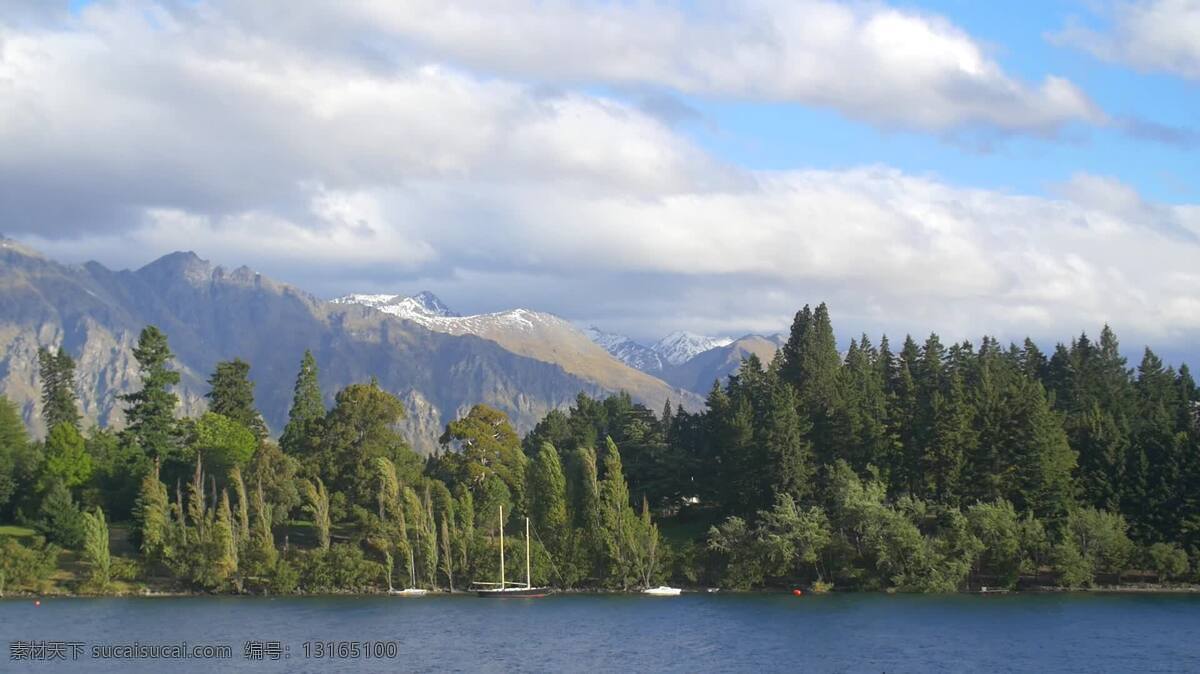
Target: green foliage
x,y
67,461
1168,560
26,567
59,517
150,412
339,567
483,444
56,370
317,504
792,539
14,443
307,411
276,472
232,396
222,443
153,512
360,428
95,550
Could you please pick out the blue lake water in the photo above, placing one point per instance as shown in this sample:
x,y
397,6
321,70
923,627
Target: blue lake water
x,y
691,633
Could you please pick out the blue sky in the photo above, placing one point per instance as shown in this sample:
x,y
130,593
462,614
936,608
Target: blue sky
x,y
788,135
1004,168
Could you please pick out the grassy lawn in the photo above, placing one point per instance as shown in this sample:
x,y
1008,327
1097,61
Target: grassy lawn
x,y
14,531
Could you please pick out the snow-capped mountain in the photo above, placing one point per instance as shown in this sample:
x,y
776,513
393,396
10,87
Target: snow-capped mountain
x,y
627,351
415,308
681,346
534,334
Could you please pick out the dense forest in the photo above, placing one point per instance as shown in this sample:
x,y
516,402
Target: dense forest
x,y
934,468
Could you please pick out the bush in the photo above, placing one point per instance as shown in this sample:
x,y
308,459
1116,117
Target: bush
x,y
1168,560
284,578
26,568
341,567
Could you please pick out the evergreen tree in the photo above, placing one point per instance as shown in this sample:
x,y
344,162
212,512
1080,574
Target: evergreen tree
x,y
56,370
360,427
232,396
150,412
307,411
481,444
67,460
811,363
616,518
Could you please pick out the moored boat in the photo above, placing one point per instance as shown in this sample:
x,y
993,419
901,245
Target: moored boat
x,y
503,590
662,591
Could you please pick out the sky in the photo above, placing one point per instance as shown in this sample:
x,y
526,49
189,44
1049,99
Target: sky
x,y
967,168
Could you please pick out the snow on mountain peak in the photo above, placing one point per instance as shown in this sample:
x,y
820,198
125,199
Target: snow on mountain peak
x,y
681,346
423,305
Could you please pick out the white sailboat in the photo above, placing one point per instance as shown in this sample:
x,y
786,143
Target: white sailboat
x,y
412,590
515,590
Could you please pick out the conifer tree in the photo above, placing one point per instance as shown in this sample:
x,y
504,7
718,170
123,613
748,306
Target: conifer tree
x,y
150,412
307,411
232,396
56,370
67,459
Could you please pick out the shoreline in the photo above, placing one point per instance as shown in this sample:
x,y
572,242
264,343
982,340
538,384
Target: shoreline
x,y
1118,589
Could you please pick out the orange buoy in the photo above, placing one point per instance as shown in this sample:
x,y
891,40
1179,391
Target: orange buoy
x,y
798,592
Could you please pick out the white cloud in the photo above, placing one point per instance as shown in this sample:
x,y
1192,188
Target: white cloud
x,y
896,68
126,137
1162,35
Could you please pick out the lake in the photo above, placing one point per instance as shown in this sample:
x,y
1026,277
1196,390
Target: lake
x,y
617,633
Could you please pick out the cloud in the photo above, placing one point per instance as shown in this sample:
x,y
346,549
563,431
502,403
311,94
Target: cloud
x,y
1158,35
131,132
886,66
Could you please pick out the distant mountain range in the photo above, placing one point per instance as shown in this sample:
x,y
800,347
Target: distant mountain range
x,y
521,361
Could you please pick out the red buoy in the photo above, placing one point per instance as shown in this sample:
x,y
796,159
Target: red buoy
x,y
798,592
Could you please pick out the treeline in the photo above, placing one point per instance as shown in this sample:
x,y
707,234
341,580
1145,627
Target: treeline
x,y
932,468
339,503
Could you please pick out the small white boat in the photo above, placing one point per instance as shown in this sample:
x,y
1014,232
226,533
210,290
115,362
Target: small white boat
x,y
410,592
662,591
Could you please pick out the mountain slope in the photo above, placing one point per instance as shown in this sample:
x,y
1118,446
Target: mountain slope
x,y
212,314
628,351
541,336
680,346
698,373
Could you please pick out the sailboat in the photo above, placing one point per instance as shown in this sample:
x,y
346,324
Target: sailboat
x,y
412,590
503,589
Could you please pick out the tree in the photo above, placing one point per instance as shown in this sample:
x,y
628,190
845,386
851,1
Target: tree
x,y
14,445
616,518
153,511
67,461
1168,560
59,518
811,363
57,373
548,503
317,505
232,396
483,443
95,549
360,427
792,537
150,412
223,443
307,411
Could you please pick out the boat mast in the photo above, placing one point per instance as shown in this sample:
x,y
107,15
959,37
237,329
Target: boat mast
x,y
501,547
527,583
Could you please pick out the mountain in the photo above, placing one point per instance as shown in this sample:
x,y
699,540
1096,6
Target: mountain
x,y
538,335
211,314
698,373
628,351
680,346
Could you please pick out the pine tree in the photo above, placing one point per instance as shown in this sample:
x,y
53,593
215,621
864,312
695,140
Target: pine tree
x,y
232,396
308,409
150,412
951,440
56,370
811,363
782,435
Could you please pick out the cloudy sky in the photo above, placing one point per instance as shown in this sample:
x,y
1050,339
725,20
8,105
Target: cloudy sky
x,y
965,167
